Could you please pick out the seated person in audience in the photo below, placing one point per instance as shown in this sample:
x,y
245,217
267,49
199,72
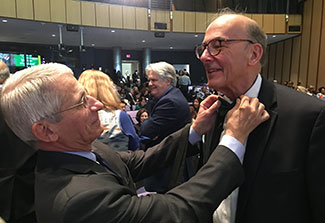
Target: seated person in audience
x,y
119,132
196,104
141,116
77,181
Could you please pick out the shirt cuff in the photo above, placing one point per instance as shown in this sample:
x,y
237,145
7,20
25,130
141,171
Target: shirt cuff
x,y
193,137
234,145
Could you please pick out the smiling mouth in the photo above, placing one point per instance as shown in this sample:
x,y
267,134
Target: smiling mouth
x,y
213,70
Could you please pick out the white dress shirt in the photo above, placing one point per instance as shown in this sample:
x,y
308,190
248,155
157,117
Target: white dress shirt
x,y
226,212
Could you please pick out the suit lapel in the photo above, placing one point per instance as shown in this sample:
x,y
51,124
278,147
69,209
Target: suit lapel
x,y
257,144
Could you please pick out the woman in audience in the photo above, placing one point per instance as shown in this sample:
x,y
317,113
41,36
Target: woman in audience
x,y
141,116
119,132
196,104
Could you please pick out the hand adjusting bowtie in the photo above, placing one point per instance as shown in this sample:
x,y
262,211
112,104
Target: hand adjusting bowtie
x,y
225,106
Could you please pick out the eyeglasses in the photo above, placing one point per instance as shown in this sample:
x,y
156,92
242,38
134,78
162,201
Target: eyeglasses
x,y
83,102
214,46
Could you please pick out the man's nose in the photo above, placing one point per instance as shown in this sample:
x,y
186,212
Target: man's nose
x,y
94,104
205,56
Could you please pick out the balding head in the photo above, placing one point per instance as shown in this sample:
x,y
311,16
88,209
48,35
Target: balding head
x,y
232,52
241,24
4,72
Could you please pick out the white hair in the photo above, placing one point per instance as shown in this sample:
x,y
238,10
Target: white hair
x,y
164,70
29,96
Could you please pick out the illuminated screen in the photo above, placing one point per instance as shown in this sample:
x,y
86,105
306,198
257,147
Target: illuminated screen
x,y
18,60
33,60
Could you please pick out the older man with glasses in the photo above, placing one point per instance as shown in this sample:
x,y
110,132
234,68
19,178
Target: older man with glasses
x,y
284,158
77,181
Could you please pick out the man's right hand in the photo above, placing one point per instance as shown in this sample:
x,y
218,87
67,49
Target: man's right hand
x,y
247,114
207,115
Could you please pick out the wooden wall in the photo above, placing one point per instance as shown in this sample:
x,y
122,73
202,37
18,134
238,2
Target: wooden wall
x,y
301,59
115,16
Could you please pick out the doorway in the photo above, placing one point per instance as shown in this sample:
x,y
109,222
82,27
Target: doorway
x,y
129,67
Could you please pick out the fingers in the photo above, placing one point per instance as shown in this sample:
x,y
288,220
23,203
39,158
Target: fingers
x,y
245,117
206,103
210,104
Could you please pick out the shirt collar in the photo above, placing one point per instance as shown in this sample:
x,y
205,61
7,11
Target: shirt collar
x,y
255,89
168,90
88,155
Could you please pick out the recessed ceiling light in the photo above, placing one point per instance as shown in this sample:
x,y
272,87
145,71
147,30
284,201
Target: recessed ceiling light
x,y
143,41
93,44
42,23
274,36
4,20
196,35
53,35
113,31
171,47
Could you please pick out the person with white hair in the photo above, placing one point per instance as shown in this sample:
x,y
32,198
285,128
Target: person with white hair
x,y
79,180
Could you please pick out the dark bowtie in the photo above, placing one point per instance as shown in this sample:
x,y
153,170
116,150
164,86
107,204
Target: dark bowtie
x,y
225,106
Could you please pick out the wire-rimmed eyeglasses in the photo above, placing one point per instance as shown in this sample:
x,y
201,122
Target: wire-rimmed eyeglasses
x,y
215,45
83,102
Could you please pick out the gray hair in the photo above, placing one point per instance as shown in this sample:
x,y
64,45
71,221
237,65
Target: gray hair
x,y
4,72
164,70
254,31
29,96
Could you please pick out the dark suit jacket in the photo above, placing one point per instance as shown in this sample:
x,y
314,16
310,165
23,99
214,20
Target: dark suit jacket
x,y
169,114
17,162
70,188
284,160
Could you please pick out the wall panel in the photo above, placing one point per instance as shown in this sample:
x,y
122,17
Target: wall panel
x,y
286,60
314,42
189,22
8,8
25,9
102,15
141,16
321,59
305,41
279,24
128,17
115,16
278,62
268,23
200,22
161,17
58,11
42,10
295,61
73,12
178,21
88,14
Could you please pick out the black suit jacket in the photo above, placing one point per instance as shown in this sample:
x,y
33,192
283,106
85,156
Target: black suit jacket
x,y
17,162
284,160
70,188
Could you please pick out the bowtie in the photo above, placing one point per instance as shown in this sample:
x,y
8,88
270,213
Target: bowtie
x,y
225,106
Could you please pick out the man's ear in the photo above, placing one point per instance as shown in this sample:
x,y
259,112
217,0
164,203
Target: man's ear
x,y
256,54
42,131
169,81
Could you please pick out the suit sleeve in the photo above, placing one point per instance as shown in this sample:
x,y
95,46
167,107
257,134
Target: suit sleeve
x,y
160,120
316,169
193,201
